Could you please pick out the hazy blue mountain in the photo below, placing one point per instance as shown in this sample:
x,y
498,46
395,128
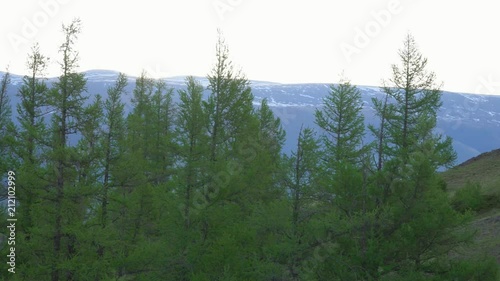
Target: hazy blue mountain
x,y
472,120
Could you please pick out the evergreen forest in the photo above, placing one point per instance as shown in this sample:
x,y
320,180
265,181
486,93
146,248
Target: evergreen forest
x,y
199,189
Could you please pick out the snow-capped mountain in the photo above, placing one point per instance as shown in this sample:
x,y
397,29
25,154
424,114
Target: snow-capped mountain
x,y
472,120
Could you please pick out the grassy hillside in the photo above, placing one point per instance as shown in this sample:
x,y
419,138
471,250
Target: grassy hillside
x,y
485,171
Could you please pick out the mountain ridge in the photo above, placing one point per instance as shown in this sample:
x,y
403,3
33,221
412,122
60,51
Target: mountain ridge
x,y
472,120
108,72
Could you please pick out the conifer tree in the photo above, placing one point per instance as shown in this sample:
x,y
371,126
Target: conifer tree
x,y
381,146
130,206
302,184
269,159
191,174
66,102
30,136
5,119
411,154
228,194
415,99
192,138
382,110
229,105
113,136
230,123
342,123
162,122
271,132
138,121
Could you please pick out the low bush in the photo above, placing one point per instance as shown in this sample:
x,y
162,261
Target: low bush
x,y
468,198
480,269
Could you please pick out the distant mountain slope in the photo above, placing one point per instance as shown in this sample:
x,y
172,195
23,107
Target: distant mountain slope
x,y
473,121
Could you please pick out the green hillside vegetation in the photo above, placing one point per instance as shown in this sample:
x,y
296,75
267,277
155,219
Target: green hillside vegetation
x,y
475,185
483,169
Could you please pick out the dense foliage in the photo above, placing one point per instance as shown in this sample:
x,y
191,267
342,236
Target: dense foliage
x,y
199,189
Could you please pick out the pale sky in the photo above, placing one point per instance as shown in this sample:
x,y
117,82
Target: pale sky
x,y
288,41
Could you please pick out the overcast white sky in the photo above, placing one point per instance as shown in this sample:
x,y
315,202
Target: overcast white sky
x,y
289,41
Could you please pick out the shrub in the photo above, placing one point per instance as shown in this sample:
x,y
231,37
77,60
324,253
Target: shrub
x,y
480,269
442,184
468,198
492,195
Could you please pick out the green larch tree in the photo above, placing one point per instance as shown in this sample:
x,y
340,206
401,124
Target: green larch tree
x,y
66,102
105,236
415,98
31,134
268,154
138,125
302,183
342,123
272,134
113,135
228,193
192,139
5,120
229,105
414,228
191,174
162,122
